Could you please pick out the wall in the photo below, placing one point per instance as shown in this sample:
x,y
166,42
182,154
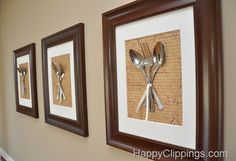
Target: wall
x,y
27,139
229,39
1,103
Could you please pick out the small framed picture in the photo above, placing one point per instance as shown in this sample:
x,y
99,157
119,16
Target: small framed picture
x,y
64,80
25,80
163,76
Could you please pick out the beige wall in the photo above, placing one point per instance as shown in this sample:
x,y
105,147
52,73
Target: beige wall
x,y
1,102
1,115
229,40
26,21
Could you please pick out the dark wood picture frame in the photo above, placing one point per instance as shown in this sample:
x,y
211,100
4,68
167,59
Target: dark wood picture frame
x,y
209,74
27,50
75,34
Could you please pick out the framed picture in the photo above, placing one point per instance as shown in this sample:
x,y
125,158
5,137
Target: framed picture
x,y
25,81
64,80
163,76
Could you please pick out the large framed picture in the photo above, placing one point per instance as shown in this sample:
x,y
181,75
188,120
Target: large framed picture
x,y
163,76
25,80
64,80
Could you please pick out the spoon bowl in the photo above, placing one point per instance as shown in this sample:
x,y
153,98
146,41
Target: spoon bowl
x,y
135,57
159,54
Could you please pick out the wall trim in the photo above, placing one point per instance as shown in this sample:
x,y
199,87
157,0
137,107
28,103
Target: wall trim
x,y
5,155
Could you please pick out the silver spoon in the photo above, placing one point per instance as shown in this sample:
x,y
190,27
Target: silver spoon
x,y
148,63
60,76
23,75
158,60
138,61
158,57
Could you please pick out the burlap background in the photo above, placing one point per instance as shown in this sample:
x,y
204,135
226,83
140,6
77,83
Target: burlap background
x,y
167,81
64,61
27,94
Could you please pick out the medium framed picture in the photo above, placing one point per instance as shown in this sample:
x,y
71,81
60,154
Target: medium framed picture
x,y
25,80
64,80
163,76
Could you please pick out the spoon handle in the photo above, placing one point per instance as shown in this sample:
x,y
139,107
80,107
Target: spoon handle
x,y
144,74
147,101
23,88
152,103
141,102
157,99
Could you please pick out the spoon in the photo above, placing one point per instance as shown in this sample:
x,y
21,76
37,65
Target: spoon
x,y
138,61
136,58
60,76
23,75
148,63
158,60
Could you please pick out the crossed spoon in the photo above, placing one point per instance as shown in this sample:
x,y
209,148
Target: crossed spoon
x,y
60,76
149,67
22,72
